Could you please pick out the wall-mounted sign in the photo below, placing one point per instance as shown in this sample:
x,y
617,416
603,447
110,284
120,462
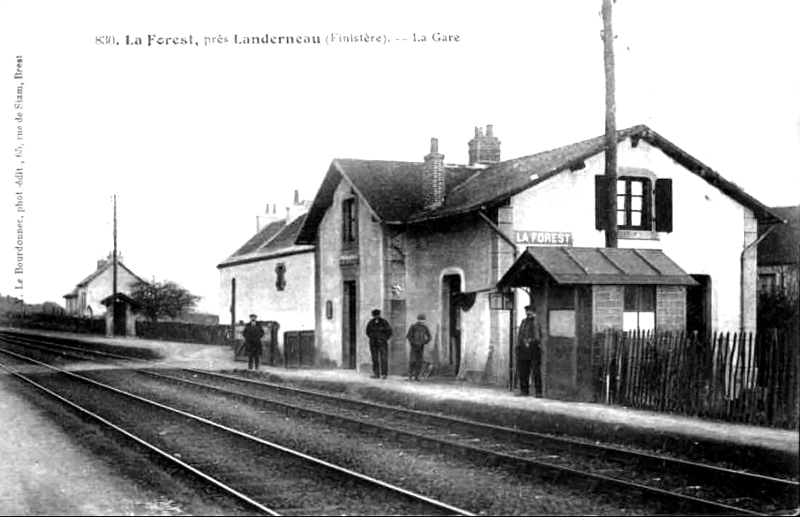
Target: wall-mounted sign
x,y
542,238
501,301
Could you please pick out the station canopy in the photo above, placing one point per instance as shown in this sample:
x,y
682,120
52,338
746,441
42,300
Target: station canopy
x,y
598,266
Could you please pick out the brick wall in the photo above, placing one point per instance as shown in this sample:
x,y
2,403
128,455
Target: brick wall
x,y
433,177
670,308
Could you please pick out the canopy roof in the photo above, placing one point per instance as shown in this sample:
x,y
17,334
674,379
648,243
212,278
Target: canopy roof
x,y
615,266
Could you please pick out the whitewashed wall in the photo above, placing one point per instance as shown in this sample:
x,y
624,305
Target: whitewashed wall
x,y
709,228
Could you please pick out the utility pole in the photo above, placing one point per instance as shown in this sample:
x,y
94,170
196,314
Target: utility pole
x,y
114,272
611,129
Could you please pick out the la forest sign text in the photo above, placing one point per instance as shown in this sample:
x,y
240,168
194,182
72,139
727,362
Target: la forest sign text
x,y
543,238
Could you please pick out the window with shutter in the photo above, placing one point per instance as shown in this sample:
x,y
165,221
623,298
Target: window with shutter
x,y
634,202
644,204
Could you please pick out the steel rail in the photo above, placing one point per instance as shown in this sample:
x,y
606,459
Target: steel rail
x,y
594,449
316,461
529,464
160,452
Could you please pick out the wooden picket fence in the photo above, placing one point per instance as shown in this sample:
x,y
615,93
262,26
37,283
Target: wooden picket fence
x,y
737,377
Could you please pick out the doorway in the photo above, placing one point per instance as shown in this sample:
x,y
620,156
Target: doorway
x,y
120,312
349,325
398,359
698,307
451,292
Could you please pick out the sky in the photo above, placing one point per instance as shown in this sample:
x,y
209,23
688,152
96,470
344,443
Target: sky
x,y
196,140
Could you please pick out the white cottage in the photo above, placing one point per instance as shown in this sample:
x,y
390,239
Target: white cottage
x,y
86,299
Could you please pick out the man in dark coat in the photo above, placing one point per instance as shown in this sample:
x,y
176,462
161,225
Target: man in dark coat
x,y
529,353
418,336
379,331
253,332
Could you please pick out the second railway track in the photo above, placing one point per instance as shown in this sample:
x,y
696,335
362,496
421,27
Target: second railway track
x,y
271,478
681,486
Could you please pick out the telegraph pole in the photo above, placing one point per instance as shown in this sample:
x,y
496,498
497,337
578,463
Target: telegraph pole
x,y
611,129
114,272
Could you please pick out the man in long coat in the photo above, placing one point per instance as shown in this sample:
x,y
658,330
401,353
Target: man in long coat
x,y
529,353
379,331
418,336
253,332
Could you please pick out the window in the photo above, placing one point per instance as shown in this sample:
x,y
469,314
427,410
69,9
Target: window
x,y
638,206
633,203
349,223
767,282
639,311
280,276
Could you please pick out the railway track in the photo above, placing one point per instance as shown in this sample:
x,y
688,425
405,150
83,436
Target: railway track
x,y
682,486
278,480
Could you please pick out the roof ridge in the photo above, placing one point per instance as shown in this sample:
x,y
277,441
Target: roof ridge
x,y
358,191
632,129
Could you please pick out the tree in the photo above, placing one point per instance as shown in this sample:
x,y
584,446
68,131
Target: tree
x,y
163,299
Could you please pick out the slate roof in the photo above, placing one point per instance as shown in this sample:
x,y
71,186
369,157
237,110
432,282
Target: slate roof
x,y
275,239
393,190
97,272
617,266
782,245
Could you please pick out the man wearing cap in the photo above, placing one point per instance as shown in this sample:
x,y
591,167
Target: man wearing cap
x,y
418,336
529,353
253,332
379,331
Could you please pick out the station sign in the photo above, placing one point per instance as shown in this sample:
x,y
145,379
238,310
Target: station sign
x,y
542,238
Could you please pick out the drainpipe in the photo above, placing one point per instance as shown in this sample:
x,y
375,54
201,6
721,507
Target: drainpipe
x,y
512,313
741,269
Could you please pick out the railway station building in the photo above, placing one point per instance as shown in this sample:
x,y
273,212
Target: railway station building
x,y
271,276
469,245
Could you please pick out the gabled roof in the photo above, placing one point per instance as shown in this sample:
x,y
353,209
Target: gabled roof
x,y
496,184
393,190
274,240
596,266
782,244
100,271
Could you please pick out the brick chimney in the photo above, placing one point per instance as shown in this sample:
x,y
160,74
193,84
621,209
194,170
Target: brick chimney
x,y
433,177
484,149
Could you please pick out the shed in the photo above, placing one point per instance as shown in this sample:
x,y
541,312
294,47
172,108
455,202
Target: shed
x,y
122,320
579,292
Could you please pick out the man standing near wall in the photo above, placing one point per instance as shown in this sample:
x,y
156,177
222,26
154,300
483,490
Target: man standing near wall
x,y
529,353
418,336
379,331
253,332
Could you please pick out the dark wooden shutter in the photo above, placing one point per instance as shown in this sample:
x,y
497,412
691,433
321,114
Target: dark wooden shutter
x,y
600,203
664,205
647,204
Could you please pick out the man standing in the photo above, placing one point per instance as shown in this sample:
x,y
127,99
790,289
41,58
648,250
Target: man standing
x,y
253,332
418,336
379,331
529,353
